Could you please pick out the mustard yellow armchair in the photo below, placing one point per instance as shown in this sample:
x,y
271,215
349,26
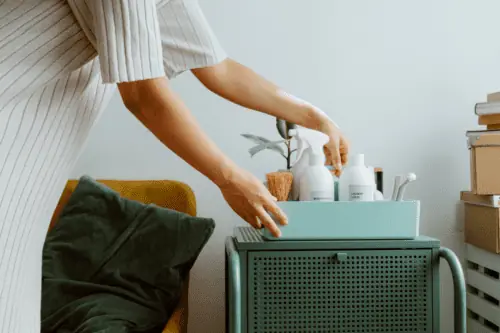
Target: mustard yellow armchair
x,y
164,193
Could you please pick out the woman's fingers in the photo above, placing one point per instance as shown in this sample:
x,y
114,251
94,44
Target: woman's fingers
x,y
278,214
267,221
344,151
253,221
344,158
270,203
334,159
335,155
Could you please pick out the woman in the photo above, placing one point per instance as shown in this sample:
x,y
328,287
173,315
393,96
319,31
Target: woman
x,y
60,61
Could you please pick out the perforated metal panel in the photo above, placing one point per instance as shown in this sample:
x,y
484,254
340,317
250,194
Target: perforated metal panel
x,y
346,292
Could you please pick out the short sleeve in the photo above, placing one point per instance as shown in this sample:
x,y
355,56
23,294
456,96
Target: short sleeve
x,y
186,37
127,39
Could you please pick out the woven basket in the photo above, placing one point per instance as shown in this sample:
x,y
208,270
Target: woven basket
x,y
280,184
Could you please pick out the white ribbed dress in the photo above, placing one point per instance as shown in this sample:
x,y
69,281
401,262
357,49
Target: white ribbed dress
x,y
58,62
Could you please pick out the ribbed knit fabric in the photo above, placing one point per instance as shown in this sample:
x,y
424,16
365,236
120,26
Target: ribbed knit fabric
x,y
40,140
125,33
55,56
140,39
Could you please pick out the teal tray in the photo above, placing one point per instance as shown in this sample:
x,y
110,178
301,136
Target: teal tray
x,y
349,220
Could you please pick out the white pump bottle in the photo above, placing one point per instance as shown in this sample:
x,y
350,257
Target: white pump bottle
x,y
357,183
312,179
301,162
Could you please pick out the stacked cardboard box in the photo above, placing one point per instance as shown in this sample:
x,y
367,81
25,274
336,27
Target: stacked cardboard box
x,y
482,220
482,210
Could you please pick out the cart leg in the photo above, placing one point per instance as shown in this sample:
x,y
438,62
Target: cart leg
x,y
459,289
234,287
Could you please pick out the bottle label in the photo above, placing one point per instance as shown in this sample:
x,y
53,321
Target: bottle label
x,y
360,193
321,196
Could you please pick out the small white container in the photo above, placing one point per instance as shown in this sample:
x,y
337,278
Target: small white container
x,y
316,184
357,183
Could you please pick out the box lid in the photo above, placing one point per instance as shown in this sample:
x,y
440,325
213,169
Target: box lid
x,y
481,200
483,138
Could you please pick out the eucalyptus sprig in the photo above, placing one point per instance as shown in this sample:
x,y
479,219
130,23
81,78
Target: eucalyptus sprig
x,y
286,152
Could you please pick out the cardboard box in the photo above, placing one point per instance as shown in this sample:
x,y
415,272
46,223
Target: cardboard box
x,y
485,161
482,221
489,119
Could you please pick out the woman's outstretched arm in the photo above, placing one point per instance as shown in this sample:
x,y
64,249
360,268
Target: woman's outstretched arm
x,y
155,104
241,85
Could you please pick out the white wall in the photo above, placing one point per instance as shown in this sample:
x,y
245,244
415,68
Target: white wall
x,y
400,77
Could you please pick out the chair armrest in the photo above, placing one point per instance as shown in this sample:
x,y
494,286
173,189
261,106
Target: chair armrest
x,y
179,319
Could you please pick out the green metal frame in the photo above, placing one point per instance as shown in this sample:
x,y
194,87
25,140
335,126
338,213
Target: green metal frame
x,y
460,301
248,239
234,289
247,243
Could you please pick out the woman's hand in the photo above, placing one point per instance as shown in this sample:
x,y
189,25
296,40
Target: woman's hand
x,y
250,199
241,85
164,114
337,149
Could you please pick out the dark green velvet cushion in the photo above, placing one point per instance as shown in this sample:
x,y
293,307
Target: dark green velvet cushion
x,y
116,265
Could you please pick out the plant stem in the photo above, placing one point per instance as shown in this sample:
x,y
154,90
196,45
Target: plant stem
x,y
289,155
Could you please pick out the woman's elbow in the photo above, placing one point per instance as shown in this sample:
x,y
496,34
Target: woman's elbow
x,y
139,95
130,95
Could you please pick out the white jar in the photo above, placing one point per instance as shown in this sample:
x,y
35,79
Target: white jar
x,y
357,183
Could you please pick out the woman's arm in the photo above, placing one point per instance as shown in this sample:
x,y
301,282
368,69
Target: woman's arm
x,y
165,115
243,86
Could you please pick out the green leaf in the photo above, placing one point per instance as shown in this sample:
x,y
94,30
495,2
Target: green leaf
x,y
284,128
274,145
255,138
281,126
290,126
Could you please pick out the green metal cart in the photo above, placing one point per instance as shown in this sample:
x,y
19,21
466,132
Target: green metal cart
x,y
340,286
